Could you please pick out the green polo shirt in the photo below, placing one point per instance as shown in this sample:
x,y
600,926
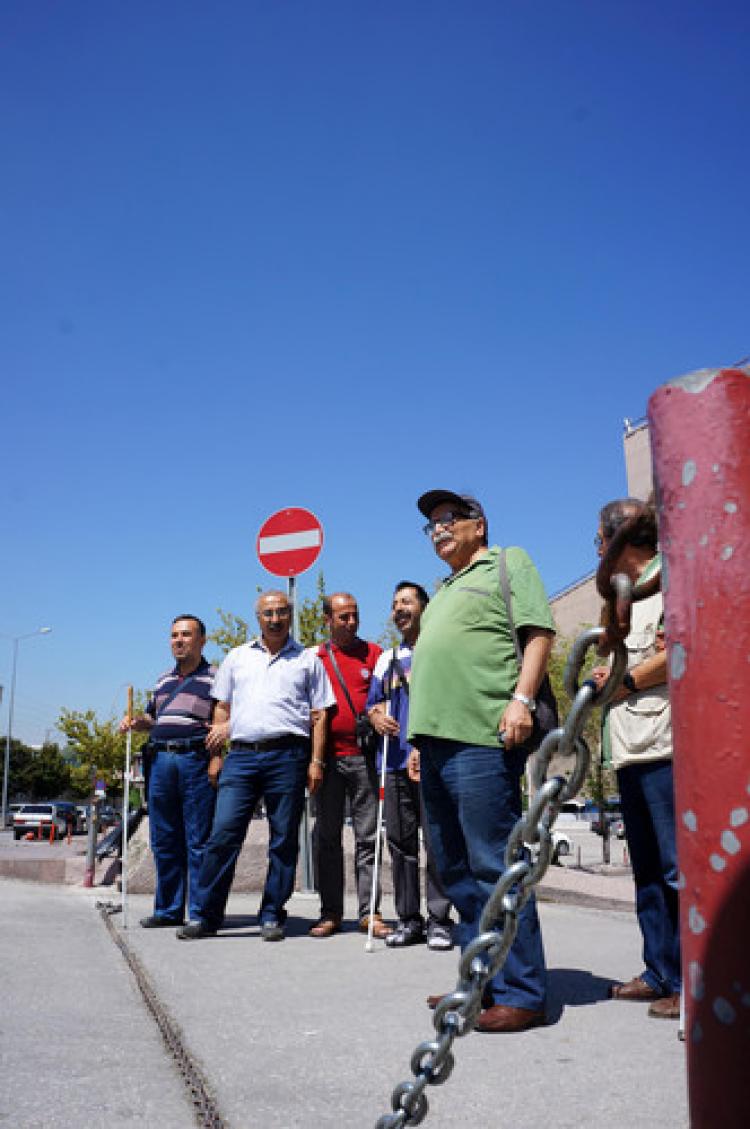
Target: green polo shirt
x,y
464,668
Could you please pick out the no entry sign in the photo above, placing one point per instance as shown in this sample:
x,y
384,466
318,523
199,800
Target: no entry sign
x,y
289,542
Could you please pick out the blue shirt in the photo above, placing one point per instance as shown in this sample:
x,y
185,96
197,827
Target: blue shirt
x,y
271,695
387,685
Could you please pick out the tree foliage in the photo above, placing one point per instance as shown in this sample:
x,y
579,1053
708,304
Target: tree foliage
x,y
37,774
601,778
312,623
98,747
233,632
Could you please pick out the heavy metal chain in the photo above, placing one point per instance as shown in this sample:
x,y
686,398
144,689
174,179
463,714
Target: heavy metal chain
x,y
527,856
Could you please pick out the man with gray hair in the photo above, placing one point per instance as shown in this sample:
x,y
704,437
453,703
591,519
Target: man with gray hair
x,y
271,695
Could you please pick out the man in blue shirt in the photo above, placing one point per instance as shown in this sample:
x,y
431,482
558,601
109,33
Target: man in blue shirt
x,y
180,795
403,805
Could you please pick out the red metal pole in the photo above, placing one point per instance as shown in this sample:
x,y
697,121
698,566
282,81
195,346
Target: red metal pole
x,y
700,433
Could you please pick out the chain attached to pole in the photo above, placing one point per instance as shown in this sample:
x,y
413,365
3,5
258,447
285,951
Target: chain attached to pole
x,y
527,857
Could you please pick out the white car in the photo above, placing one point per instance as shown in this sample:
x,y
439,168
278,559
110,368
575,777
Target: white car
x,y
39,819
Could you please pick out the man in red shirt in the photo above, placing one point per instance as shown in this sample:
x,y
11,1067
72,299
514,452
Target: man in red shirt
x,y
348,772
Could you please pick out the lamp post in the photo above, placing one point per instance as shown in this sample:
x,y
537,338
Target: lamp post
x,y
16,639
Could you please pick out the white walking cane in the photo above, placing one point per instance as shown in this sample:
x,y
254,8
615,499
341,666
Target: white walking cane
x,y
125,807
378,833
379,830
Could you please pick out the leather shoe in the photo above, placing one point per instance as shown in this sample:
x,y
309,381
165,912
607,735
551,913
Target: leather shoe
x,y
379,927
502,1017
326,927
433,1001
635,989
156,922
668,1007
406,933
194,931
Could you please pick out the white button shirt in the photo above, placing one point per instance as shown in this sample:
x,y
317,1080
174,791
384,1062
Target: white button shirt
x,y
271,695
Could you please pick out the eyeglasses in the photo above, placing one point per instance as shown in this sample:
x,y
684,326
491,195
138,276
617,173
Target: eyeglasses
x,y
598,541
447,521
276,613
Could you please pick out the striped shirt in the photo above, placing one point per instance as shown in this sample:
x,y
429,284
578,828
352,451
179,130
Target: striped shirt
x,y
188,715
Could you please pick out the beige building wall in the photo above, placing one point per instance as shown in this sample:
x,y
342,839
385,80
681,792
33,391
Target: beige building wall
x,y
576,607
637,449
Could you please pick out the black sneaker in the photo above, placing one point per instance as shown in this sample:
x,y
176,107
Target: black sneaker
x,y
194,931
271,931
156,922
439,937
405,933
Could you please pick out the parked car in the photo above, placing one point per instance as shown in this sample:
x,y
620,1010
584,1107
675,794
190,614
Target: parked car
x,y
561,846
83,816
38,818
108,816
70,814
10,812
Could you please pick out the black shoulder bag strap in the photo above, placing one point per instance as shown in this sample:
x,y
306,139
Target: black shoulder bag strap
x,y
505,592
546,716
338,674
171,697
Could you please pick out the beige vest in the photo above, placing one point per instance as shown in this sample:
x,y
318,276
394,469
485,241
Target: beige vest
x,y
640,728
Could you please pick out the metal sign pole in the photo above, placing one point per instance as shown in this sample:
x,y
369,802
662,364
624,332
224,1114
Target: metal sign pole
x,y
305,833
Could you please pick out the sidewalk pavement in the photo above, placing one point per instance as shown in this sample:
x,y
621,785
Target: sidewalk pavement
x,y
309,1032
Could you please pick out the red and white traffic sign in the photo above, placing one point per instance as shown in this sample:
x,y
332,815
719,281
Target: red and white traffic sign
x,y
289,542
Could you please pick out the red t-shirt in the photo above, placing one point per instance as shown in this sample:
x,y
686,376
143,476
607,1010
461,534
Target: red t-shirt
x,y
356,668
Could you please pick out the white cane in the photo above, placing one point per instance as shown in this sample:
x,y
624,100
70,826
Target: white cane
x,y
378,833
125,806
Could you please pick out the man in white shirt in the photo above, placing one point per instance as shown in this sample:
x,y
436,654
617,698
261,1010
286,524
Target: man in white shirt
x,y
271,700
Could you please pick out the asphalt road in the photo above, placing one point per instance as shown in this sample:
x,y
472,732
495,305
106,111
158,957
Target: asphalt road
x,y
309,1032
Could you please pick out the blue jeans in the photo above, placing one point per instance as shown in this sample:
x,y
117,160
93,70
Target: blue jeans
x,y
647,796
180,806
472,799
278,776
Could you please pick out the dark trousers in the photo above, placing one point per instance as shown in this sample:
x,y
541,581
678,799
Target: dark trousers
x,y
647,797
279,777
353,776
181,802
403,818
472,799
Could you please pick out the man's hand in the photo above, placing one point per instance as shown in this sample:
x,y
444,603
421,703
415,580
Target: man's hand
x,y
215,766
314,776
217,737
516,724
138,723
599,676
412,766
386,726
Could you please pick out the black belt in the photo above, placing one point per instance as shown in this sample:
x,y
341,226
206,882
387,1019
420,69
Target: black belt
x,y
180,745
288,741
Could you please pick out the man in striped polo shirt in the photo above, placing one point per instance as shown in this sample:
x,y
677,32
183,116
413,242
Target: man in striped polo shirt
x,y
181,797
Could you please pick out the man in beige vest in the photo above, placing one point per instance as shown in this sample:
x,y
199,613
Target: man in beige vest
x,y
637,733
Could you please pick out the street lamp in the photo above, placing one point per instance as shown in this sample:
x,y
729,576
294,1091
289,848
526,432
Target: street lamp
x,y
16,640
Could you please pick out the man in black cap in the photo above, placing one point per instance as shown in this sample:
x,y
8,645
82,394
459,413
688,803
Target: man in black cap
x,y
466,690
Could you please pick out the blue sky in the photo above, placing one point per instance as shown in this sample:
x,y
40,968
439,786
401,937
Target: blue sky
x,y
331,255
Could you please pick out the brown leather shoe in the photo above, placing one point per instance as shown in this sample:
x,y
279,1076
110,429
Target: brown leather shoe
x,y
502,1017
635,989
326,927
433,1001
668,1007
379,927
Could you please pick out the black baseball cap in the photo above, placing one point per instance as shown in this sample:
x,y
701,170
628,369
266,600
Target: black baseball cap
x,y
463,502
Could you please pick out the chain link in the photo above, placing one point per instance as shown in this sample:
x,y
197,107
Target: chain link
x,y
527,856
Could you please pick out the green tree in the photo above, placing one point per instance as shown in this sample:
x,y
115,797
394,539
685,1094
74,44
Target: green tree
x,y
50,773
601,778
233,632
20,769
312,623
98,747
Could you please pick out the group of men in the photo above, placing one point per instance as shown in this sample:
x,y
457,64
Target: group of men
x,y
454,708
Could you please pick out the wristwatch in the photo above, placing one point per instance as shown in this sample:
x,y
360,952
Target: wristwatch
x,y
530,703
629,683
